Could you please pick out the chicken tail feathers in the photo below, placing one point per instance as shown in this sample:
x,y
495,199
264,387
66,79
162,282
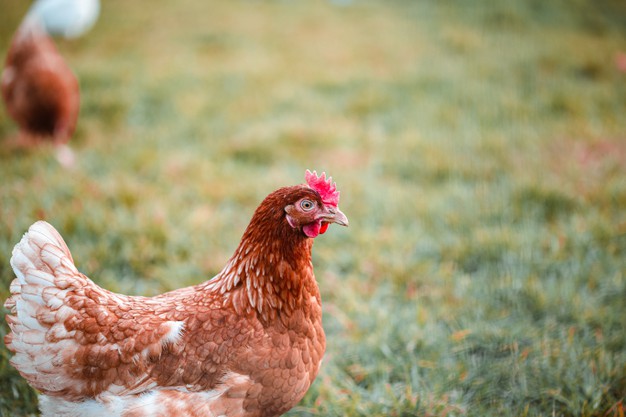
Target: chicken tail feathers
x,y
45,272
71,338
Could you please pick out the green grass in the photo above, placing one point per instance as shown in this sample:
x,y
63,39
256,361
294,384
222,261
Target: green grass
x,y
480,149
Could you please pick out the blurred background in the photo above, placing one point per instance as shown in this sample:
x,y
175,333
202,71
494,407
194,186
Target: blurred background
x,y
480,151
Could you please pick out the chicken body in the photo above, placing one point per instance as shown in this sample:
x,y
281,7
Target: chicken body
x,y
248,342
39,90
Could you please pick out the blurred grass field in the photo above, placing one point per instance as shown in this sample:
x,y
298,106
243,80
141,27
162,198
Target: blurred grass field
x,y
480,149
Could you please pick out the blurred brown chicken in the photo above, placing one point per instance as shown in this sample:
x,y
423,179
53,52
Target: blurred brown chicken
x,y
40,91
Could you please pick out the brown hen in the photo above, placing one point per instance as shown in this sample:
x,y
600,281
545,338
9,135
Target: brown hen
x,y
40,91
248,342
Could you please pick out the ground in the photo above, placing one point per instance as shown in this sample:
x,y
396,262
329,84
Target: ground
x,y
480,149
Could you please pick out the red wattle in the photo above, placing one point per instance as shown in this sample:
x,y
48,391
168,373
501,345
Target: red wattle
x,y
323,228
311,229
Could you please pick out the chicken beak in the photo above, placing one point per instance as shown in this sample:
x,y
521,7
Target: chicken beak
x,y
336,216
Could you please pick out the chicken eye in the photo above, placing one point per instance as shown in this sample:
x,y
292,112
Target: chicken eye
x,y
307,205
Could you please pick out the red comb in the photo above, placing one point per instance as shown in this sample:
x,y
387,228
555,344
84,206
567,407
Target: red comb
x,y
325,187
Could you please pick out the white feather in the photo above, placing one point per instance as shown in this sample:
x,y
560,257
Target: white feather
x,y
32,337
32,323
67,18
175,332
39,277
63,313
52,256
